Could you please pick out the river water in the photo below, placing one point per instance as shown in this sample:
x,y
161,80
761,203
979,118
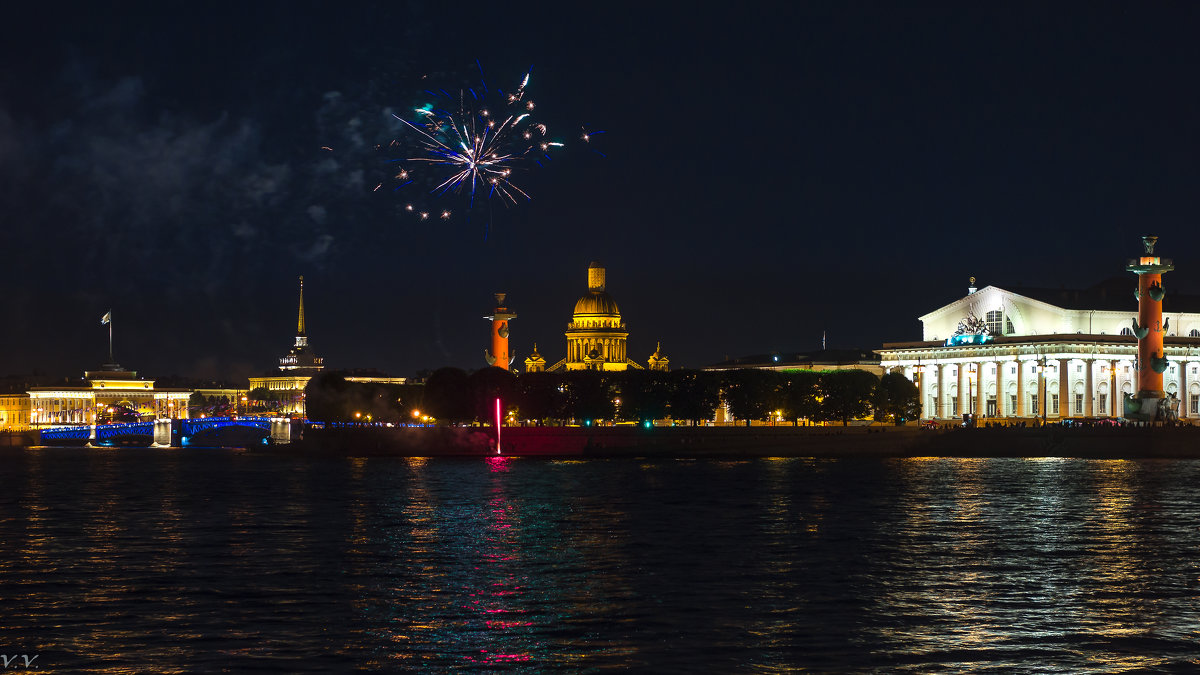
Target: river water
x,y
197,560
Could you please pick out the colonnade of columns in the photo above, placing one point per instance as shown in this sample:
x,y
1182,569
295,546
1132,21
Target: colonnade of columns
x,y
972,394
612,349
62,410
173,408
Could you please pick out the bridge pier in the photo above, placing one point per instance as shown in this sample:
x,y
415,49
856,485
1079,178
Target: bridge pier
x,y
162,433
281,430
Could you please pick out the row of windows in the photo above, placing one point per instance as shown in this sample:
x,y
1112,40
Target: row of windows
x,y
1053,369
1101,404
995,321
1195,332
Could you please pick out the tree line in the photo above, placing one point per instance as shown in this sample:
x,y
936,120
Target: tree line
x,y
452,395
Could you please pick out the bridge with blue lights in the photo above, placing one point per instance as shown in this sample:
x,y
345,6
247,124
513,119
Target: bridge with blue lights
x,y
173,432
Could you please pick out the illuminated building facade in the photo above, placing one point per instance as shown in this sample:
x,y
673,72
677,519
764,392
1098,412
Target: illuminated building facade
x,y
596,335
1045,353
14,411
65,405
787,362
535,362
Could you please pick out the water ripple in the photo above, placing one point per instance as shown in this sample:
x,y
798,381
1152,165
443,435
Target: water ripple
x,y
196,560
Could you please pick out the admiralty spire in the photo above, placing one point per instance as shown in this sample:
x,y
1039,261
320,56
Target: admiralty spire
x,y
301,359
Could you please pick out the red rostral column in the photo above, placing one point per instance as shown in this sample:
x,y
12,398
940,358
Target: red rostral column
x,y
498,356
1149,327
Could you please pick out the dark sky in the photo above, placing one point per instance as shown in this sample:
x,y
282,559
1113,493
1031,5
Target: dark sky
x,y
772,171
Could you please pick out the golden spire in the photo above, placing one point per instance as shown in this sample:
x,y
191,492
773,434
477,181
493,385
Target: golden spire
x,y
300,322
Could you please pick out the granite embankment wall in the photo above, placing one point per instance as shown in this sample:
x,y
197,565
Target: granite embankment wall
x,y
19,439
876,441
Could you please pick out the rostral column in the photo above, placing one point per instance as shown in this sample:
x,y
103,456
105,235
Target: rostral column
x,y
498,356
1149,329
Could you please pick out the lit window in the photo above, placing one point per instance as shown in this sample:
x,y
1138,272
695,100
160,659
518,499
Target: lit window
x,y
995,322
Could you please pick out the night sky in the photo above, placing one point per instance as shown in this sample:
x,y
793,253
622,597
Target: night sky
x,y
770,172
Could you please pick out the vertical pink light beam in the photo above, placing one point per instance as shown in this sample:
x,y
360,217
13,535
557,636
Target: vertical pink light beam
x,y
497,426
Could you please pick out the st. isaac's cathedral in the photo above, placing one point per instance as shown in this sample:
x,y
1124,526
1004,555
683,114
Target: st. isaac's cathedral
x,y
596,335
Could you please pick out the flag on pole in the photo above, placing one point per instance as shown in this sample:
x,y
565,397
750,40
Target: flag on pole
x,y
106,318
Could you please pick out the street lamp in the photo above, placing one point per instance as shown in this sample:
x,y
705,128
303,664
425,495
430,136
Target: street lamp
x,y
1042,387
917,374
971,374
1112,393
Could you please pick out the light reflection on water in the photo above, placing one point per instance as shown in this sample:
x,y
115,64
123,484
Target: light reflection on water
x,y
178,561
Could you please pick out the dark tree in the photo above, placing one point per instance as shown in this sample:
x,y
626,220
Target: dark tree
x,y
488,384
587,396
538,396
847,394
645,395
896,398
197,403
325,397
801,396
410,398
448,396
695,395
751,393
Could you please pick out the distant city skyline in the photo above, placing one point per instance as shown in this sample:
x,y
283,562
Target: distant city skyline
x,y
771,174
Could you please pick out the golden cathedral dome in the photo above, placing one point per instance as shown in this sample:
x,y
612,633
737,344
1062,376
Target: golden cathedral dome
x,y
596,301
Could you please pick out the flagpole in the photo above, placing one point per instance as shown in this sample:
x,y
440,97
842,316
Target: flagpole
x,y
110,356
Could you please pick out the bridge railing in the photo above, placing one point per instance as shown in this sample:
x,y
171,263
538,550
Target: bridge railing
x,y
66,433
107,431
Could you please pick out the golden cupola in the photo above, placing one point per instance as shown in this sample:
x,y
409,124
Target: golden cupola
x,y
596,337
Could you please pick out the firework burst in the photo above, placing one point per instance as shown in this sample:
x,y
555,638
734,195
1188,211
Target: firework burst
x,y
474,143
471,144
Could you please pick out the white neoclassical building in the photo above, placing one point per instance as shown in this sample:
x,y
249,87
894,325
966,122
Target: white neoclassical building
x,y
1052,353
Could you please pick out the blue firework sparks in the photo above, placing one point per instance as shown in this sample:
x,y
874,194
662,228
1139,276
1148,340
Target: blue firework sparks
x,y
471,144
